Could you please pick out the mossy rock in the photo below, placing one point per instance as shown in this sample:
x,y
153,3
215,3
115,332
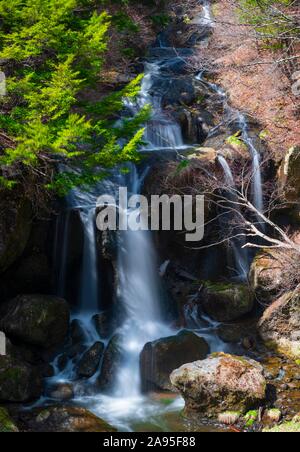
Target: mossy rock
x,y
64,419
279,326
286,427
6,423
39,320
19,382
226,302
220,383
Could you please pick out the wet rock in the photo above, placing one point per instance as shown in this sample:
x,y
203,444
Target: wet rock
x,y
76,351
175,66
15,227
19,381
265,275
220,383
226,302
238,332
62,391
7,425
77,332
161,357
108,241
280,325
104,324
46,370
62,361
112,361
64,419
195,124
90,362
174,91
168,52
36,319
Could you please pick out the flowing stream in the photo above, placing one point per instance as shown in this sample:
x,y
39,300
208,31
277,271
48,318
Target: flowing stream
x,y
139,285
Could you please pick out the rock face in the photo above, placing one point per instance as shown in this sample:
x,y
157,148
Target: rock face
x,y
265,275
289,179
161,357
19,382
175,90
66,420
280,325
36,319
15,228
112,360
89,363
226,302
220,383
289,174
6,423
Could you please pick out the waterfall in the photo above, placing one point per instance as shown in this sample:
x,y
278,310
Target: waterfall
x,y
89,292
138,269
230,113
241,256
162,132
258,199
139,292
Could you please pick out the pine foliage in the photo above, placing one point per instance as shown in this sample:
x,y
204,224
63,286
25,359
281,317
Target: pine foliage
x,y
51,51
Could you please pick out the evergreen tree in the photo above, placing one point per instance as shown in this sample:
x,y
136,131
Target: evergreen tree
x,y
51,51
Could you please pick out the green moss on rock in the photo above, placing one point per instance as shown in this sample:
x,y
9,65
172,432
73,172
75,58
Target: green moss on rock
x,y
286,427
6,423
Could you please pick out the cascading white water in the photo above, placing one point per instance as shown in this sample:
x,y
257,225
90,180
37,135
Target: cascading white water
x,y
258,198
242,262
162,132
89,288
139,292
205,18
233,114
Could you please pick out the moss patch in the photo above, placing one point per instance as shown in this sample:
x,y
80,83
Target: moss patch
x,y
6,424
286,427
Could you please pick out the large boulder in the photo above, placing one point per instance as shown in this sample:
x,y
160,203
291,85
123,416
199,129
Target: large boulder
x,y
64,419
226,302
220,383
15,227
161,357
39,320
266,275
90,361
280,325
19,381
